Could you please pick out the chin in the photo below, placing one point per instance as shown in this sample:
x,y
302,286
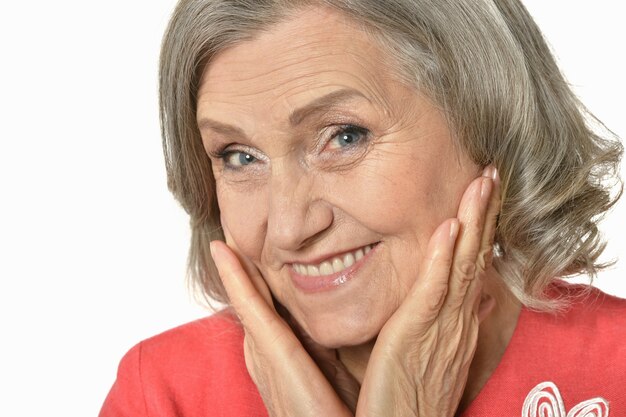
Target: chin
x,y
336,332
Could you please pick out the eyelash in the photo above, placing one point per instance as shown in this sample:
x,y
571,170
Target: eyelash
x,y
224,153
343,129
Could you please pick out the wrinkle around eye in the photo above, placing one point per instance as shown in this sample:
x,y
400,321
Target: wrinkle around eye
x,y
342,160
248,183
243,178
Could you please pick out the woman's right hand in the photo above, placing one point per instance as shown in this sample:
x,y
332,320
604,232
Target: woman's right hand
x,y
290,382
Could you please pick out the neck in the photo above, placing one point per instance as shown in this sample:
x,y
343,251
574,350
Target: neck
x,y
494,335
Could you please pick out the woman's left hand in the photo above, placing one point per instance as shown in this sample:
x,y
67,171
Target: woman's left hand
x,y
421,359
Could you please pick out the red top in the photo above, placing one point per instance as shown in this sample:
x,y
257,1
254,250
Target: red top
x,y
561,365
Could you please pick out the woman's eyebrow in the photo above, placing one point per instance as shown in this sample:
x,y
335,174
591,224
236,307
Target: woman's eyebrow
x,y
322,103
318,105
221,128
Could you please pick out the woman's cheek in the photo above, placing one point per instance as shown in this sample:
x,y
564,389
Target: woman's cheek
x,y
244,217
387,194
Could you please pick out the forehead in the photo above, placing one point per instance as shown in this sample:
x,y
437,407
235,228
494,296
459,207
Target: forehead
x,y
313,52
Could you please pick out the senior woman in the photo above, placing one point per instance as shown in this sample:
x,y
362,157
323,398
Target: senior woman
x,y
386,193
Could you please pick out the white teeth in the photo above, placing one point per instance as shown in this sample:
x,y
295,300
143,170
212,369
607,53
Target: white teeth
x,y
338,265
334,265
348,260
312,270
326,268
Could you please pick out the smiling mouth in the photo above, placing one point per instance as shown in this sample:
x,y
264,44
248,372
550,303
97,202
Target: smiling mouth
x,y
322,277
333,265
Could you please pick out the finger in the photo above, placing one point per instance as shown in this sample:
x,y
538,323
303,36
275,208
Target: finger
x,y
251,270
429,291
252,308
485,254
291,369
327,360
472,214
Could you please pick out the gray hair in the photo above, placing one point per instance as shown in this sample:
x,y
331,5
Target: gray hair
x,y
486,65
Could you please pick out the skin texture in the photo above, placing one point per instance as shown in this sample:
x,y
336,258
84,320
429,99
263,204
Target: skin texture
x,y
305,194
307,202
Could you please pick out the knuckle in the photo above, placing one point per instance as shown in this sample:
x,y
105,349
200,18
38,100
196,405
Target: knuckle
x,y
474,227
436,298
464,269
443,262
491,234
485,259
488,258
494,217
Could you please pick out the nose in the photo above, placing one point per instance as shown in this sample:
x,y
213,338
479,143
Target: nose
x,y
298,212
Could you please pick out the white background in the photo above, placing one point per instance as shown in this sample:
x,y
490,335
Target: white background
x,y
92,246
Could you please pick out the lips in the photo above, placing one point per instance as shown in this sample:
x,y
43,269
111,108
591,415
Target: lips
x,y
334,264
331,273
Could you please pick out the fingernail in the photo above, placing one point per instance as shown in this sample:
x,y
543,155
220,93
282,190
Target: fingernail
x,y
485,188
454,229
489,171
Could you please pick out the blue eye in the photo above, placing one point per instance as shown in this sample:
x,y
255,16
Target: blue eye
x,y
237,159
347,136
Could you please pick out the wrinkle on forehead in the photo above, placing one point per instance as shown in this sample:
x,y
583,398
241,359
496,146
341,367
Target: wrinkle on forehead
x,y
298,49
283,79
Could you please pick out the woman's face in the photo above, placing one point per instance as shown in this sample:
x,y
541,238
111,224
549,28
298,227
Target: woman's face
x,y
320,153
